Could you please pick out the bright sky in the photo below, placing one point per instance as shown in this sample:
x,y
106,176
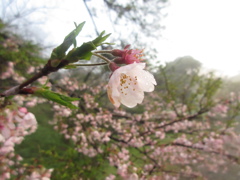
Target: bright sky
x,y
207,30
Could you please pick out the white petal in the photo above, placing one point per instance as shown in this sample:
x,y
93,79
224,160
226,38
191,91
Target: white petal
x,y
146,81
130,67
132,98
128,83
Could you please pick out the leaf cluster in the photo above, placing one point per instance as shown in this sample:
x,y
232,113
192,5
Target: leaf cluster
x,y
77,53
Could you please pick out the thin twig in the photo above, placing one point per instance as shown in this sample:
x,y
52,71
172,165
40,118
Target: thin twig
x,y
91,16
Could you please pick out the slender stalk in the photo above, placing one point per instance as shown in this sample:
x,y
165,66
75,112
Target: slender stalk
x,y
102,57
96,64
104,51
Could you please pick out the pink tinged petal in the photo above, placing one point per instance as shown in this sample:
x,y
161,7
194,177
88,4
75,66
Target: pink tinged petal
x,y
18,119
29,120
6,132
115,100
22,111
11,125
113,93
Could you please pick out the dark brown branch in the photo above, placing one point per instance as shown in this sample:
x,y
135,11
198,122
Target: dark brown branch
x,y
47,69
118,140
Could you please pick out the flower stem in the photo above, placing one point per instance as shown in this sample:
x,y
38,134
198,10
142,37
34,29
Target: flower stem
x,y
104,51
102,57
96,64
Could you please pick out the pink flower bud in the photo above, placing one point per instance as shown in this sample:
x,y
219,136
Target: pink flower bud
x,y
119,60
127,56
117,52
113,66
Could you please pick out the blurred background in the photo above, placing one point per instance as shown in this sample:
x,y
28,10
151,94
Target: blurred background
x,y
206,30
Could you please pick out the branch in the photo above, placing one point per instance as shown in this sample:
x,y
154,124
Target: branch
x,y
161,168
229,156
191,117
47,69
91,16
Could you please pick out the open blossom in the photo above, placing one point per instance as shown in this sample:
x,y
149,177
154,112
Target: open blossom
x,y
128,83
127,56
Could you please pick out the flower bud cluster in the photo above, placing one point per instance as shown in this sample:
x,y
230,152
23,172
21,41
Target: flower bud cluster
x,y
127,56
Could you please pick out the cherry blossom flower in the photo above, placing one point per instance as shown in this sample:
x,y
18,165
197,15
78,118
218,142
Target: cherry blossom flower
x,y
128,83
127,56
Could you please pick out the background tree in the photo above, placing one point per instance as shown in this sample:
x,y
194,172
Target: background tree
x,y
134,22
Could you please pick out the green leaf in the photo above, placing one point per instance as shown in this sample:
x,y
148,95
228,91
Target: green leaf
x,y
84,51
56,97
70,39
98,41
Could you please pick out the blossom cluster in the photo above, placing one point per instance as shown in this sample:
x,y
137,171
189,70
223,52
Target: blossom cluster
x,y
142,145
10,73
14,126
